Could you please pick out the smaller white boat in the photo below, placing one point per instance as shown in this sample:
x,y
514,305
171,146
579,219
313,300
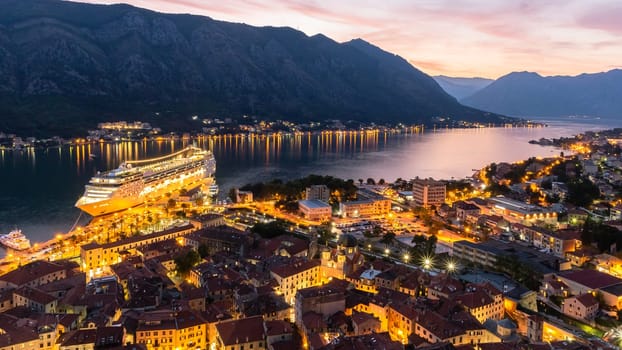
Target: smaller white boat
x,y
15,240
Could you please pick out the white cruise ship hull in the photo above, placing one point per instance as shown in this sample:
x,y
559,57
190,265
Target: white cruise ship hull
x,y
125,187
109,206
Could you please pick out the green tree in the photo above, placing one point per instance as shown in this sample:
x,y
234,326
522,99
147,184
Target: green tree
x,y
185,263
270,229
388,238
324,235
582,192
203,251
424,246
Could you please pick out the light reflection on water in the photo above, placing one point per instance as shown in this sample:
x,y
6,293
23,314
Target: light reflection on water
x,y
39,187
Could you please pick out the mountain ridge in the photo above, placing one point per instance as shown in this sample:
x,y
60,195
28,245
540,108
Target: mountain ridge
x,y
526,94
65,66
462,87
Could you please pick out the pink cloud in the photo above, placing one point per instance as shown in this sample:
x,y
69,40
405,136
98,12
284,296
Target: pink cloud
x,y
607,18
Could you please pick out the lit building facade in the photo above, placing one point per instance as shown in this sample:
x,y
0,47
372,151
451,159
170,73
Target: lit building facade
x,y
429,192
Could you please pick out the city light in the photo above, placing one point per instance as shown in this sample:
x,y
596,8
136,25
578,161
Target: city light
x,y
427,262
451,266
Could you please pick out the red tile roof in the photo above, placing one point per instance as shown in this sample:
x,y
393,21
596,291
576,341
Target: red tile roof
x,y
591,278
244,330
587,300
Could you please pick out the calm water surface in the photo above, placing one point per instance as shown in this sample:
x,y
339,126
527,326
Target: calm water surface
x,y
38,188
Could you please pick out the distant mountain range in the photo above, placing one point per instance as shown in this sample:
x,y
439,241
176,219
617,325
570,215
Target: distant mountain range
x,y
461,87
65,66
526,94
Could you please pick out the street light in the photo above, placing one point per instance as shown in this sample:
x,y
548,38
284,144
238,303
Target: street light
x,y
451,266
427,262
406,257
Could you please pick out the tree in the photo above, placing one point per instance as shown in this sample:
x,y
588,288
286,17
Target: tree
x,y
203,251
270,229
371,181
388,238
324,235
424,247
434,227
376,230
381,182
582,192
185,263
604,236
360,181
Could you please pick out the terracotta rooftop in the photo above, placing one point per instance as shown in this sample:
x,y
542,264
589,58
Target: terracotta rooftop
x,y
30,272
297,266
35,295
244,330
587,300
278,328
591,278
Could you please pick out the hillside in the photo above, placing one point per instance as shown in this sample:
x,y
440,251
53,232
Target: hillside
x,y
461,87
66,66
530,94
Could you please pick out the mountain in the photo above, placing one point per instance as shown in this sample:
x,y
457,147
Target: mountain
x,y
530,94
65,66
461,87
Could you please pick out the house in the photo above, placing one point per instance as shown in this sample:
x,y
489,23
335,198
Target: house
x,y
245,333
583,307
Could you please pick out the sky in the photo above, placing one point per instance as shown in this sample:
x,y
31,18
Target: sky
x,y
463,38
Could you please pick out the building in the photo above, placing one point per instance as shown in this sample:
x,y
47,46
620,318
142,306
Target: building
x,y
35,274
325,300
464,209
91,338
95,257
365,208
483,301
519,212
577,217
317,192
315,209
221,239
169,329
243,196
242,334
342,260
558,243
587,281
583,307
486,253
22,333
34,299
294,275
429,192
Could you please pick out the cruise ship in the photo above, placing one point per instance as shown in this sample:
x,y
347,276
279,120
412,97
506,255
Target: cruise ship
x,y
133,182
15,240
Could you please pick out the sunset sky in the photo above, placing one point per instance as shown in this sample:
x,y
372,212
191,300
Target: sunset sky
x,y
486,38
